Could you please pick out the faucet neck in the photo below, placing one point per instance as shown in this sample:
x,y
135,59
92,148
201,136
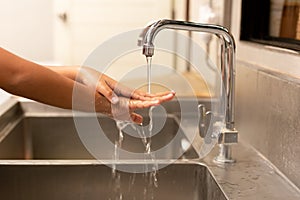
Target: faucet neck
x,y
227,54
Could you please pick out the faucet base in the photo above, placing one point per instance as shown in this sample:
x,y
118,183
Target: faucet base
x,y
224,155
220,160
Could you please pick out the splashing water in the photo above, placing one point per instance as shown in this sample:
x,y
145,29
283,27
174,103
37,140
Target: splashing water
x,y
152,179
116,176
118,144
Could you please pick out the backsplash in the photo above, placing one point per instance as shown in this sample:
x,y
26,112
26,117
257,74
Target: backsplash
x,y
268,116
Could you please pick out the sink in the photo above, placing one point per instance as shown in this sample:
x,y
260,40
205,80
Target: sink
x,y
37,180
39,132
42,157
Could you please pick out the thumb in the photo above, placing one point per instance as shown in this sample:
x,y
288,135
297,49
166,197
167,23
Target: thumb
x,y
136,118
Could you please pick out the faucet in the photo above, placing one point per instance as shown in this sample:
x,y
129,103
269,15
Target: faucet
x,y
228,135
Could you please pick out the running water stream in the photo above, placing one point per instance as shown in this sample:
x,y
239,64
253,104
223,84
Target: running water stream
x,y
150,177
153,177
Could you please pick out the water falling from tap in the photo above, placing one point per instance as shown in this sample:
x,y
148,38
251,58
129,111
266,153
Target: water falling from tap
x,y
153,173
149,60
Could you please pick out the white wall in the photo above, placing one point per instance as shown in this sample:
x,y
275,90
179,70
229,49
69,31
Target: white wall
x,y
27,28
90,23
33,30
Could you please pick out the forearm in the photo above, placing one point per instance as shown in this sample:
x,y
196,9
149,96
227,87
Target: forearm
x,y
46,87
23,78
70,72
65,87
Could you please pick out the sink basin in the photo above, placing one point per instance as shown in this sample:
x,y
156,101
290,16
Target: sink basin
x,y
43,132
37,180
42,157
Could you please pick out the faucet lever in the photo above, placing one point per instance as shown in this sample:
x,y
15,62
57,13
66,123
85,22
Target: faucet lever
x,y
204,122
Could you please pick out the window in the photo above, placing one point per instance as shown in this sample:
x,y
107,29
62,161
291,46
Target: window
x,y
272,22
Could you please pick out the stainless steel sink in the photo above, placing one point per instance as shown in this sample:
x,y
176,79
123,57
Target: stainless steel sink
x,y
87,180
43,132
42,157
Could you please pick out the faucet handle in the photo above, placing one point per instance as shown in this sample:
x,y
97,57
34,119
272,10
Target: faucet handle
x,y
204,121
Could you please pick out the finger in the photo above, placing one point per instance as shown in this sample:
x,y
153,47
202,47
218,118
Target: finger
x,y
138,119
161,97
146,96
140,94
105,90
166,97
139,104
161,94
121,111
118,88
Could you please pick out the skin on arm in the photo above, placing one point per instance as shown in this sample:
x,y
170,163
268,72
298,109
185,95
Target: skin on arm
x,y
107,86
55,87
30,80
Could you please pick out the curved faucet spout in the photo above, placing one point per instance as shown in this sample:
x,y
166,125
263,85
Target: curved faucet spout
x,y
227,55
148,35
229,134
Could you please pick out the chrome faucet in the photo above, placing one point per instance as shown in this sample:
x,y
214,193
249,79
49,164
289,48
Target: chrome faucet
x,y
228,135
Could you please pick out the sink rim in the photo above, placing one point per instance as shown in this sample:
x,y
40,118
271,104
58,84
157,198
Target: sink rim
x,y
102,162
